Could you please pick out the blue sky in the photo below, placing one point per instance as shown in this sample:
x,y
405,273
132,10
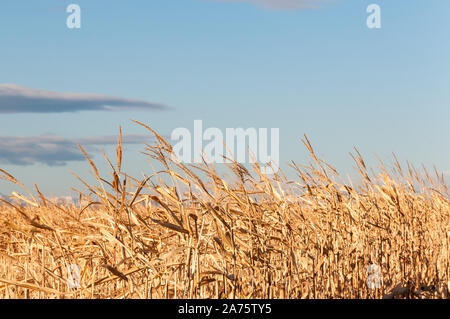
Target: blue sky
x,y
318,71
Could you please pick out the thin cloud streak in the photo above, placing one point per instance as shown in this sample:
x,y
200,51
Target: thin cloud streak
x,y
283,4
19,99
55,150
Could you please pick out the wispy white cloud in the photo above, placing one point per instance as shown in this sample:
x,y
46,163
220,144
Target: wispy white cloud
x,y
19,99
55,150
284,4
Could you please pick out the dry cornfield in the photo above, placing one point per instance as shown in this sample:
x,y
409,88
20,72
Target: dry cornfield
x,y
186,232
